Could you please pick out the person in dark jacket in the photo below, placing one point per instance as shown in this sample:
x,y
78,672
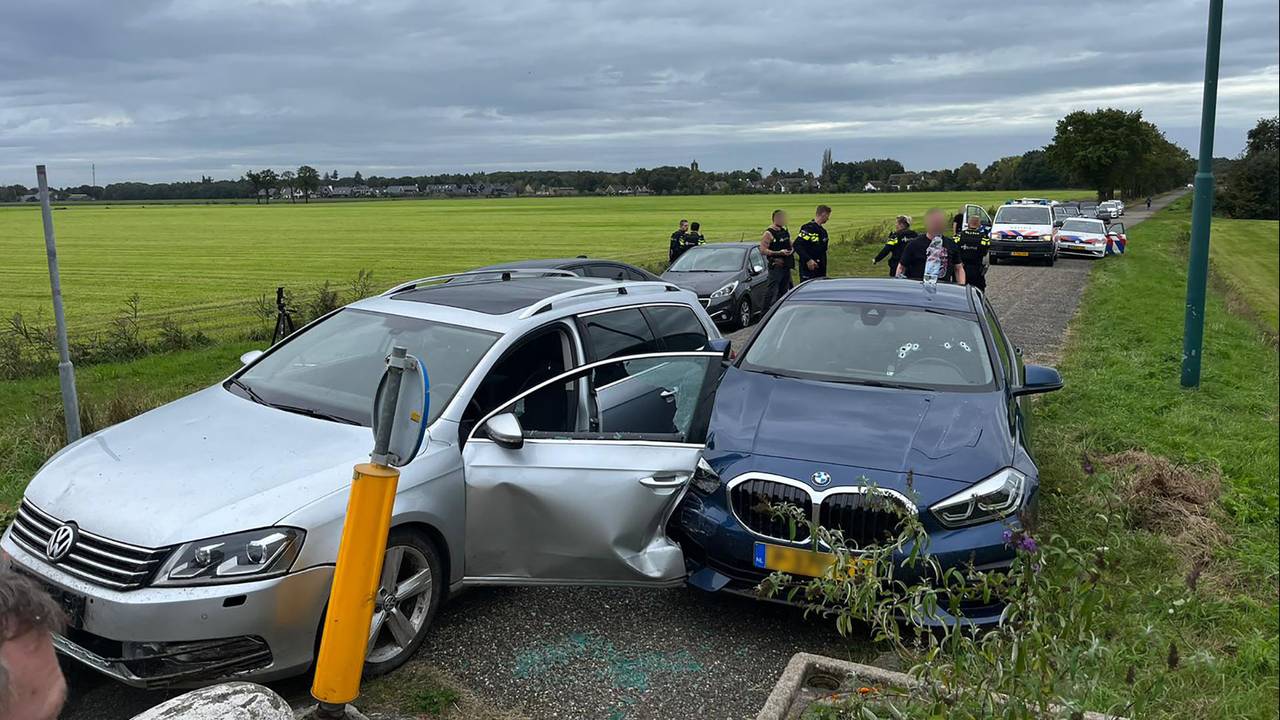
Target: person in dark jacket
x,y
694,237
811,245
974,243
677,247
775,245
898,240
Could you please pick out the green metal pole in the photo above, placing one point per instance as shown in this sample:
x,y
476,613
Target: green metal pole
x,y
1202,210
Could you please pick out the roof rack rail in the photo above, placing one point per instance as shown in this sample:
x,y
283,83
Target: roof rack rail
x,y
504,273
621,288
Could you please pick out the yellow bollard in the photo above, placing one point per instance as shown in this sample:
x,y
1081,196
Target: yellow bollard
x,y
352,598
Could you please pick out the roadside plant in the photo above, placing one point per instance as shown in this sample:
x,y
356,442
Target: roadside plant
x,y
1035,662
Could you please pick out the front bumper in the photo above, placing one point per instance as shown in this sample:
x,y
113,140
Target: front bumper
x,y
1098,250
719,552
157,637
1040,249
720,309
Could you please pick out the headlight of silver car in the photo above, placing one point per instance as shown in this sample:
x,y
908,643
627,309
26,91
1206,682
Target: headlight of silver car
x,y
725,291
250,555
998,496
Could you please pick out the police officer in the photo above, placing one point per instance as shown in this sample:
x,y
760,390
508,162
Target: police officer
x,y
974,242
775,245
811,245
677,247
693,238
897,241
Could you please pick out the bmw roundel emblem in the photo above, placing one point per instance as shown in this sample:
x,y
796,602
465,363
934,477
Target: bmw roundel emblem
x,y
61,542
821,478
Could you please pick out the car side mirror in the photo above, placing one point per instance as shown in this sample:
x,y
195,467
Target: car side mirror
x,y
757,269
1040,379
724,346
504,429
250,356
1057,223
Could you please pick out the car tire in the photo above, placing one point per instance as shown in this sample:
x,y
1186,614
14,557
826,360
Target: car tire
x,y
414,554
742,318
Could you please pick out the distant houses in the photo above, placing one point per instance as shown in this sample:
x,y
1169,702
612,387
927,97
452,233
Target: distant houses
x,y
903,181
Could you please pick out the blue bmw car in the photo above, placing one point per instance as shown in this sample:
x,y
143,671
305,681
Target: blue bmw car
x,y
862,386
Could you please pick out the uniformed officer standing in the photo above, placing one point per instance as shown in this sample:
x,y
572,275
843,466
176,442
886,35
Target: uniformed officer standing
x,y
677,247
974,242
693,238
897,241
775,245
811,245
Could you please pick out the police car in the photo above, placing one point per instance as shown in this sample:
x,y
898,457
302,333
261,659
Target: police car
x,y
1024,229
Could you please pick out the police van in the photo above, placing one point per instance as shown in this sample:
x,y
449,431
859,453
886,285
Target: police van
x,y
1024,230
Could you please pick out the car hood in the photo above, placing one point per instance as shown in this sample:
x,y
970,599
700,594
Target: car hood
x,y
208,464
959,436
702,283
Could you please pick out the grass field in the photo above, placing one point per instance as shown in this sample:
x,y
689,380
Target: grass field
x,y
1246,255
1201,578
205,263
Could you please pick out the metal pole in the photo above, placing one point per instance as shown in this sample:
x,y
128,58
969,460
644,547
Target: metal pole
x,y
66,371
1202,209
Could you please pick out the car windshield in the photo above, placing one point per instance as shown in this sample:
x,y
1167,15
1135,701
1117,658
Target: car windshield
x,y
870,344
1082,225
332,370
709,259
1023,215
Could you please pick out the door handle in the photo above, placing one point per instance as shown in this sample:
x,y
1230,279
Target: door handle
x,y
667,394
663,482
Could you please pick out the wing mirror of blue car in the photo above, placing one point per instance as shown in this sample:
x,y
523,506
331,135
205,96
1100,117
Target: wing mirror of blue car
x,y
250,356
724,346
504,429
1039,379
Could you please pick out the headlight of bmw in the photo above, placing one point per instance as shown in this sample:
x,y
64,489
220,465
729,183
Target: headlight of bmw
x,y
725,291
705,480
998,496
242,556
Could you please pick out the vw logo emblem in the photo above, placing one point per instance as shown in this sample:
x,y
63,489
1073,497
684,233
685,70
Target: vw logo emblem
x,y
821,478
61,542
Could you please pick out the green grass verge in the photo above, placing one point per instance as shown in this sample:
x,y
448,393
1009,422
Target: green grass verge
x,y
205,264
1122,392
1246,255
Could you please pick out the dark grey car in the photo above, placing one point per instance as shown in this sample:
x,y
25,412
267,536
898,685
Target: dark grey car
x,y
728,278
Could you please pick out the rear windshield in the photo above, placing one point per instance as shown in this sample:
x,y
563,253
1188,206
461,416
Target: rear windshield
x,y
868,344
1082,225
1023,215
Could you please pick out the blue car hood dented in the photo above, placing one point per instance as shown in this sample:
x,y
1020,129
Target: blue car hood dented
x,y
959,436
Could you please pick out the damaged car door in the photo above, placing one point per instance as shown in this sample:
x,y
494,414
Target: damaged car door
x,y
582,494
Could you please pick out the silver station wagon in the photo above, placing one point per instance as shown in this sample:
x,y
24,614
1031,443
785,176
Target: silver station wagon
x,y
197,541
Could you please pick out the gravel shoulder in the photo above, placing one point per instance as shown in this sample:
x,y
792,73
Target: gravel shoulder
x,y
549,653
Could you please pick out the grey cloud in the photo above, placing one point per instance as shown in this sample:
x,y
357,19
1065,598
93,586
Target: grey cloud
x,y
164,89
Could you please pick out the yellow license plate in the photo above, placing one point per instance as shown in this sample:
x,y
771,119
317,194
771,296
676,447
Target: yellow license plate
x,y
1020,254
793,561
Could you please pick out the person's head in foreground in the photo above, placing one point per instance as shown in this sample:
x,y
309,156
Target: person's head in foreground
x,y
904,222
974,222
31,683
935,222
822,214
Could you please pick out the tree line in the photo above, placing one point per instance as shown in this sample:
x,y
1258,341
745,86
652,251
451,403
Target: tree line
x,y
1249,186
1106,150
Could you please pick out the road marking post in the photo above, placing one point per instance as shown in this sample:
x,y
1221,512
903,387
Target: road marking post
x,y
353,597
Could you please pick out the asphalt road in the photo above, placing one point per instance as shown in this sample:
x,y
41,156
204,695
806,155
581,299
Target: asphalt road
x,y
626,654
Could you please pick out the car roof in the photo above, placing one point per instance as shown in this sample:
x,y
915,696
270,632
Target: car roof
x,y
743,245
551,263
886,291
502,303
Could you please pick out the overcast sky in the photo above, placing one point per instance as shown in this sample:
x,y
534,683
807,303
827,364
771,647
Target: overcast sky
x,y
158,90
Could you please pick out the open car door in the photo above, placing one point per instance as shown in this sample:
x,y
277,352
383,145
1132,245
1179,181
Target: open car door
x,y
573,481
972,210
1116,239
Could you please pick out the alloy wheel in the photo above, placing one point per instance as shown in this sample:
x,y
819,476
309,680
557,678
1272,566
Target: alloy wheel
x,y
403,603
744,313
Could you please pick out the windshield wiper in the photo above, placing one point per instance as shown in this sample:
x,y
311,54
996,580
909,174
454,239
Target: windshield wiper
x,y
318,414
248,391
883,384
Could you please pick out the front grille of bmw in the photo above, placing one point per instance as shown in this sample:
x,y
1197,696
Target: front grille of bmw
x,y
94,558
864,516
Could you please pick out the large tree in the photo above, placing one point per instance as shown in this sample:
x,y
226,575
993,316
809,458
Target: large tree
x,y
1251,188
289,181
308,182
1102,148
